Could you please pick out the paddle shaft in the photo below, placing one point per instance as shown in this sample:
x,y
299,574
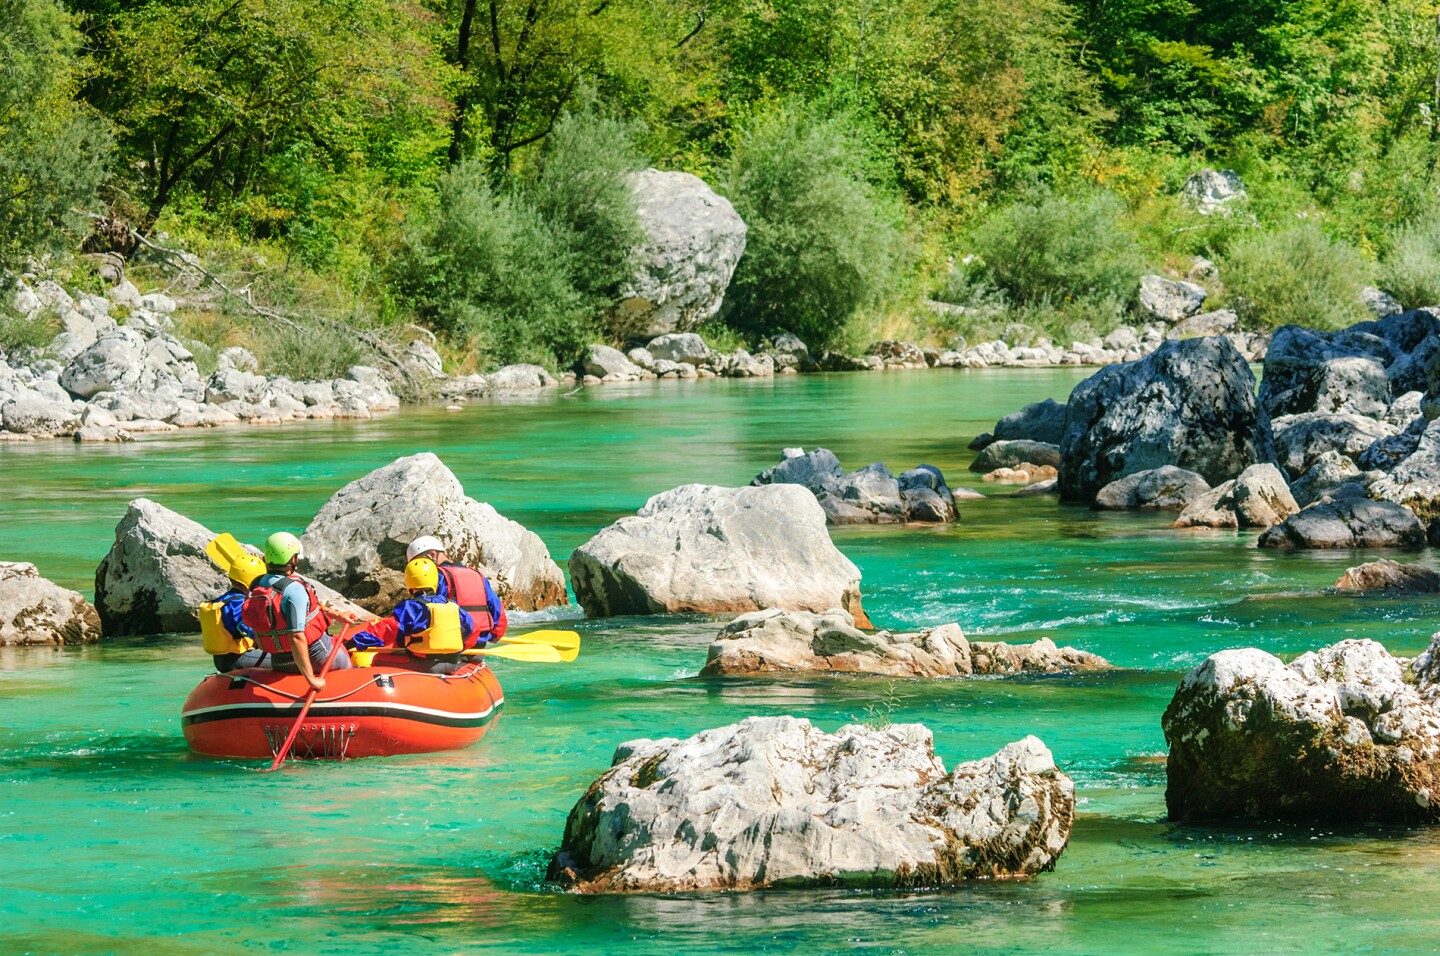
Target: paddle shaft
x,y
284,751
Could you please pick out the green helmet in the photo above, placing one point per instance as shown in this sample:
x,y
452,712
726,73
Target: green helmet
x,y
280,547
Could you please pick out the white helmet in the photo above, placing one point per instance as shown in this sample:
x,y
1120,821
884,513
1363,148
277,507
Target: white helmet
x,y
423,545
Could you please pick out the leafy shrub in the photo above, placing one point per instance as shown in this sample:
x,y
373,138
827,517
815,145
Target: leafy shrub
x,y
1060,249
583,193
822,241
20,333
317,353
1411,270
486,265
52,153
1296,276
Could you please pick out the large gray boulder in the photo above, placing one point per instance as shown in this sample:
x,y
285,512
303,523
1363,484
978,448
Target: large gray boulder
x,y
520,376
30,413
156,573
774,640
1257,498
610,365
126,360
36,611
1415,481
773,801
1359,370
1169,300
693,240
1302,440
1389,576
686,347
1159,489
710,549
1038,421
356,542
1346,734
1189,403
1348,522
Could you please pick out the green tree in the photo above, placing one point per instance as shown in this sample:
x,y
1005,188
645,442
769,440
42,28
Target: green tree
x,y
52,151
822,241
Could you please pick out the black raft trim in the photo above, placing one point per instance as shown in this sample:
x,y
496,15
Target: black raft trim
x,y
342,713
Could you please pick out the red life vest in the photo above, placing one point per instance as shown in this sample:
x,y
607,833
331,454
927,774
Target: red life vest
x,y
262,613
466,587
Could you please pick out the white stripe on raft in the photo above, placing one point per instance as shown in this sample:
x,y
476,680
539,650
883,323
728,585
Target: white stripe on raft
x,y
384,705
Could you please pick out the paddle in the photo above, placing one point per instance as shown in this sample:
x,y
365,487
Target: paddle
x,y
534,653
566,642
284,751
224,550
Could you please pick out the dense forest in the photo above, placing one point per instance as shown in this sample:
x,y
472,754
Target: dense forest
x,y
463,164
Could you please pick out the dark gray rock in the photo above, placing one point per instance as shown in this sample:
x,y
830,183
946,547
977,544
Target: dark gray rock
x,y
1160,489
1415,481
1300,440
1038,421
1330,472
1020,451
1348,523
1189,403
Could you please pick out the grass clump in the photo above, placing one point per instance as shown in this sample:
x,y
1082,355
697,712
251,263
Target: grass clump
x,y
1411,270
20,333
1296,276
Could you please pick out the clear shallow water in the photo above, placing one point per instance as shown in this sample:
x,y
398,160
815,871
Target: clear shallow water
x,y
113,838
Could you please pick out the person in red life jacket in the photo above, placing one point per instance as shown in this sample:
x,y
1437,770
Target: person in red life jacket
x,y
466,587
429,633
284,611
229,641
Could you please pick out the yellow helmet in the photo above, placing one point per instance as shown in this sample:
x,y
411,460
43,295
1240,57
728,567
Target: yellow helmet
x,y
422,575
246,569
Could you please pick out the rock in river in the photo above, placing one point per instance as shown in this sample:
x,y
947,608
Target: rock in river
x,y
765,641
1258,498
36,611
774,801
356,543
1348,522
711,549
1345,734
1159,489
1392,576
1190,403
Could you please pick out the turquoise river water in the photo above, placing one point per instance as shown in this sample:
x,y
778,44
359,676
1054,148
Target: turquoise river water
x,y
114,838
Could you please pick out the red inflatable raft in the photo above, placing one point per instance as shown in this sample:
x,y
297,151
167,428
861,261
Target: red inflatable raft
x,y
362,712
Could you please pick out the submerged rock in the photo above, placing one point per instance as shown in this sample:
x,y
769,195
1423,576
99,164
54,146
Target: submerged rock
x,y
36,611
1014,453
1159,489
356,543
773,640
1345,734
1387,575
710,549
1190,403
773,801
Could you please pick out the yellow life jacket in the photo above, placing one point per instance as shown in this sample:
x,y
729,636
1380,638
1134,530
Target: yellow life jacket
x,y
443,636
214,636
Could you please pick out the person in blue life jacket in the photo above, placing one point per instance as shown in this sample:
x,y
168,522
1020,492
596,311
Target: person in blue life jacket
x,y
229,641
425,632
466,587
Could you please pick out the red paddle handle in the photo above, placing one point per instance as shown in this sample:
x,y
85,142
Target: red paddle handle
x,y
284,751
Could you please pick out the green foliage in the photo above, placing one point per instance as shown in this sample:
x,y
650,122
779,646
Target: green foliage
x,y
317,353
583,193
486,265
1411,270
822,242
20,333
52,151
1295,276
1060,250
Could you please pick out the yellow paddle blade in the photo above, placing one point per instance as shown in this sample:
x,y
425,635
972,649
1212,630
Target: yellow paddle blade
x,y
224,550
534,653
566,642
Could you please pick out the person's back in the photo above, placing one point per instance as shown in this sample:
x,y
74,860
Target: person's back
x,y
428,632
465,586
284,610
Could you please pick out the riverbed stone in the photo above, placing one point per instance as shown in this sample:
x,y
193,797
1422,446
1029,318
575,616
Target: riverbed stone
x,y
521,376
1159,489
1169,300
693,239
1190,403
610,365
1257,498
1330,472
1415,481
1016,452
356,542
1391,576
776,802
30,413
1345,734
1349,522
34,610
704,548
775,640
686,347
